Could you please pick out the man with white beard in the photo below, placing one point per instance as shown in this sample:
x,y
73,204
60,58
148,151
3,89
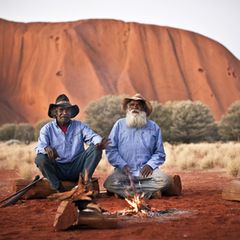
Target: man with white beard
x,y
136,151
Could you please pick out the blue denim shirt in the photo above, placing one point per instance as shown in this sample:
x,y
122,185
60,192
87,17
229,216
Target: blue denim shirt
x,y
69,145
135,146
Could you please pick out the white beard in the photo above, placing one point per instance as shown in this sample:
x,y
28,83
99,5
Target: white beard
x,y
136,120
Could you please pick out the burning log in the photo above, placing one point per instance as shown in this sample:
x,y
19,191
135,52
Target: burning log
x,y
138,204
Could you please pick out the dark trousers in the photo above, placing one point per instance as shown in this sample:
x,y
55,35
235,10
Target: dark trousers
x,y
55,172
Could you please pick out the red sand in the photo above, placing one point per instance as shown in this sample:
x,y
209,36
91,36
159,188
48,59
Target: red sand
x,y
208,217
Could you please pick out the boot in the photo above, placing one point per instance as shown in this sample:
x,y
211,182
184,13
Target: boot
x,y
156,195
175,188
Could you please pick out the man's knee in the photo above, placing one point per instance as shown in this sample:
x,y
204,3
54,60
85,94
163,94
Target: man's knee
x,y
94,153
41,160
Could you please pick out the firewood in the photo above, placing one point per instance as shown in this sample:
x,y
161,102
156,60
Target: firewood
x,y
42,189
96,220
83,191
62,195
94,206
66,216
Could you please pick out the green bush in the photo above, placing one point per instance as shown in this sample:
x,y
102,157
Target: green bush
x,y
192,122
7,131
103,113
162,115
229,126
24,132
180,121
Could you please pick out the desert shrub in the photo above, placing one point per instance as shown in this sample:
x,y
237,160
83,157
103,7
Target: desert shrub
x,y
229,126
24,132
7,131
192,122
103,113
38,126
162,115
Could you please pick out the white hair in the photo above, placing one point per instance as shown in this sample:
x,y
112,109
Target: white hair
x,y
136,118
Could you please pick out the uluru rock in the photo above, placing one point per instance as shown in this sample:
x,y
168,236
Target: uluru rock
x,y
88,59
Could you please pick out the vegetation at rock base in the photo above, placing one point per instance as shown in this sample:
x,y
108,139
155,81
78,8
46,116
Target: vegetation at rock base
x,y
194,156
229,126
191,136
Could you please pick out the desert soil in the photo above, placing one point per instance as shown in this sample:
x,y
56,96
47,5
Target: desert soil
x,y
203,214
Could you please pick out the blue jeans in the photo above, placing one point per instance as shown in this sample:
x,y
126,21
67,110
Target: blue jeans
x,y
56,172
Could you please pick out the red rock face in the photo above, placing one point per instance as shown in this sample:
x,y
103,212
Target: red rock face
x,y
92,58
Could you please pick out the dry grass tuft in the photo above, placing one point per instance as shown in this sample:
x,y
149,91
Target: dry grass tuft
x,y
20,157
179,157
204,156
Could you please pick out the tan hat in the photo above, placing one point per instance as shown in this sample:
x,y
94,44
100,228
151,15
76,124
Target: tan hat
x,y
62,101
138,97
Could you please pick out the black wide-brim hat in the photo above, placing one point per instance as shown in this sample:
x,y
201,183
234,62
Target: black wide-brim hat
x,y
62,101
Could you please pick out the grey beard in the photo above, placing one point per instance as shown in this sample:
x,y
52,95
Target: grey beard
x,y
136,120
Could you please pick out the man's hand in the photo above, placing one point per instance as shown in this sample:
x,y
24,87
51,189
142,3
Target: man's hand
x,y
146,171
51,152
126,170
103,144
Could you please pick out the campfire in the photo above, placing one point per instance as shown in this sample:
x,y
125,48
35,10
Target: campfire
x,y
78,208
138,206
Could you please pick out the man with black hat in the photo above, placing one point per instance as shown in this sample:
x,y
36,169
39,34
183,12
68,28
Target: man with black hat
x,y
136,151
60,150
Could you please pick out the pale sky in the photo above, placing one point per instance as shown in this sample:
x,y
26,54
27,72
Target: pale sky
x,y
216,19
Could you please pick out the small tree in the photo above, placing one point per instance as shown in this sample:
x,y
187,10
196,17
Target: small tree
x,y
229,126
103,113
24,132
162,115
192,122
7,131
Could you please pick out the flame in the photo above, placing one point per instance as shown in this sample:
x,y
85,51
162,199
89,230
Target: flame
x,y
135,203
138,205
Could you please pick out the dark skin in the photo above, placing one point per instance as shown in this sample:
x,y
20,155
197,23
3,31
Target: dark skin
x,y
63,117
137,106
146,171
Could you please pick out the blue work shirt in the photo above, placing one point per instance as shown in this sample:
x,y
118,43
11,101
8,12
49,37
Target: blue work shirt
x,y
135,147
69,145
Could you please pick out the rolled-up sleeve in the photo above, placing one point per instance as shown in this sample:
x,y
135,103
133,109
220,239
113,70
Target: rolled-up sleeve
x,y
90,136
43,141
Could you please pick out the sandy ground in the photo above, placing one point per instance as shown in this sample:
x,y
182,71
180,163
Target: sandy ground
x,y
203,214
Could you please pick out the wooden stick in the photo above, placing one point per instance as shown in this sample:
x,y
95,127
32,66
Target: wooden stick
x,y
13,198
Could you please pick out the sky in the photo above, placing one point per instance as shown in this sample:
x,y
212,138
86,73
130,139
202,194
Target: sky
x,y
216,19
